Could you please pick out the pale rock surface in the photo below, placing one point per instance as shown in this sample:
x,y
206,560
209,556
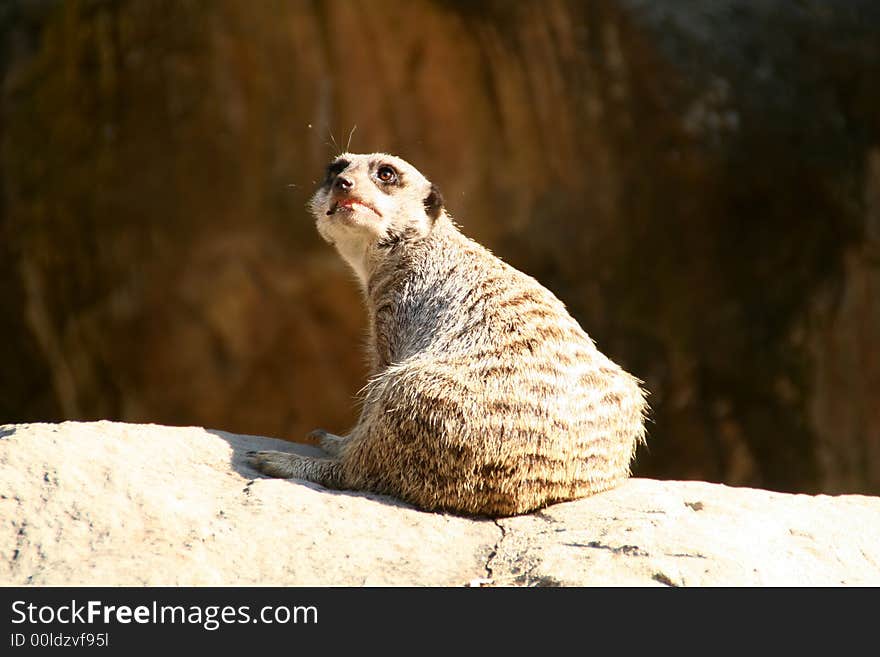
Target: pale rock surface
x,y
106,503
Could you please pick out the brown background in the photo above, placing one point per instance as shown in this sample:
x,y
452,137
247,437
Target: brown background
x,y
699,182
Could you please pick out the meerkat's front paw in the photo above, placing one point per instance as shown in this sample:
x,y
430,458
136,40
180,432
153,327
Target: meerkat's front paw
x,y
276,464
329,442
318,435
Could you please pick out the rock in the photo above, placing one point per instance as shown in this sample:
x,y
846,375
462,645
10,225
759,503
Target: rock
x,y
108,503
690,533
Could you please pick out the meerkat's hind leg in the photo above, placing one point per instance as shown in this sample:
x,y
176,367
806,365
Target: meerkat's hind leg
x,y
330,443
325,472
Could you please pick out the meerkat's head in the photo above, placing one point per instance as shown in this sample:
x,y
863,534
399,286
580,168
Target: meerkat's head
x,y
370,201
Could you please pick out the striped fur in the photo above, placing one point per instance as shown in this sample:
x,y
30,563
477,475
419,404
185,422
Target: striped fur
x,y
487,397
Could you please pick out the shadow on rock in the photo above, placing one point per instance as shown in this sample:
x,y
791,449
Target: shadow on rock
x,y
242,444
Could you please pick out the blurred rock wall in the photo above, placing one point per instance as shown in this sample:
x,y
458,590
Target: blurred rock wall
x,y
699,182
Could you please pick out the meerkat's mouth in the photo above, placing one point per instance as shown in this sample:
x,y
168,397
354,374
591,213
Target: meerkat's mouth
x,y
351,205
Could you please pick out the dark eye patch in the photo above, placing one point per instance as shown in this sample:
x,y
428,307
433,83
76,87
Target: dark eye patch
x,y
335,168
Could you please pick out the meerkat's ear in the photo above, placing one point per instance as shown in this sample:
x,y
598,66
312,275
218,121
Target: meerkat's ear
x,y
433,203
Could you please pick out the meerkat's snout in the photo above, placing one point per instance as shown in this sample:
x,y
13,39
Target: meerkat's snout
x,y
346,196
343,183
342,186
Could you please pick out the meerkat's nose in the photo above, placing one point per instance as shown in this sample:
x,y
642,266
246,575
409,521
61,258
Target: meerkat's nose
x,y
344,184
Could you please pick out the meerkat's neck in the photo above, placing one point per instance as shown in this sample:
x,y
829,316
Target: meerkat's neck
x,y
367,257
356,252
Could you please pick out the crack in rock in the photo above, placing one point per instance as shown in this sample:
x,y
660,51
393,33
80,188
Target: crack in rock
x,y
688,555
629,550
664,579
494,552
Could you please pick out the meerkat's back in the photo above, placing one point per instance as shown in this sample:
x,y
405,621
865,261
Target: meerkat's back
x,y
486,397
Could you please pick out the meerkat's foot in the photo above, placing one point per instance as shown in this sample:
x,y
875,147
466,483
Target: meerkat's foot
x,y
325,472
330,443
275,464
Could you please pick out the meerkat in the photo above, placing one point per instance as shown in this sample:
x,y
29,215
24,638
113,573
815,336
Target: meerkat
x,y
486,397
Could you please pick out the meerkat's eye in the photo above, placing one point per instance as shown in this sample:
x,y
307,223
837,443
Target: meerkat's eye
x,y
386,174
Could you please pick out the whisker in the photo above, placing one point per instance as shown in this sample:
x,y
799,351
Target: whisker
x,y
338,151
